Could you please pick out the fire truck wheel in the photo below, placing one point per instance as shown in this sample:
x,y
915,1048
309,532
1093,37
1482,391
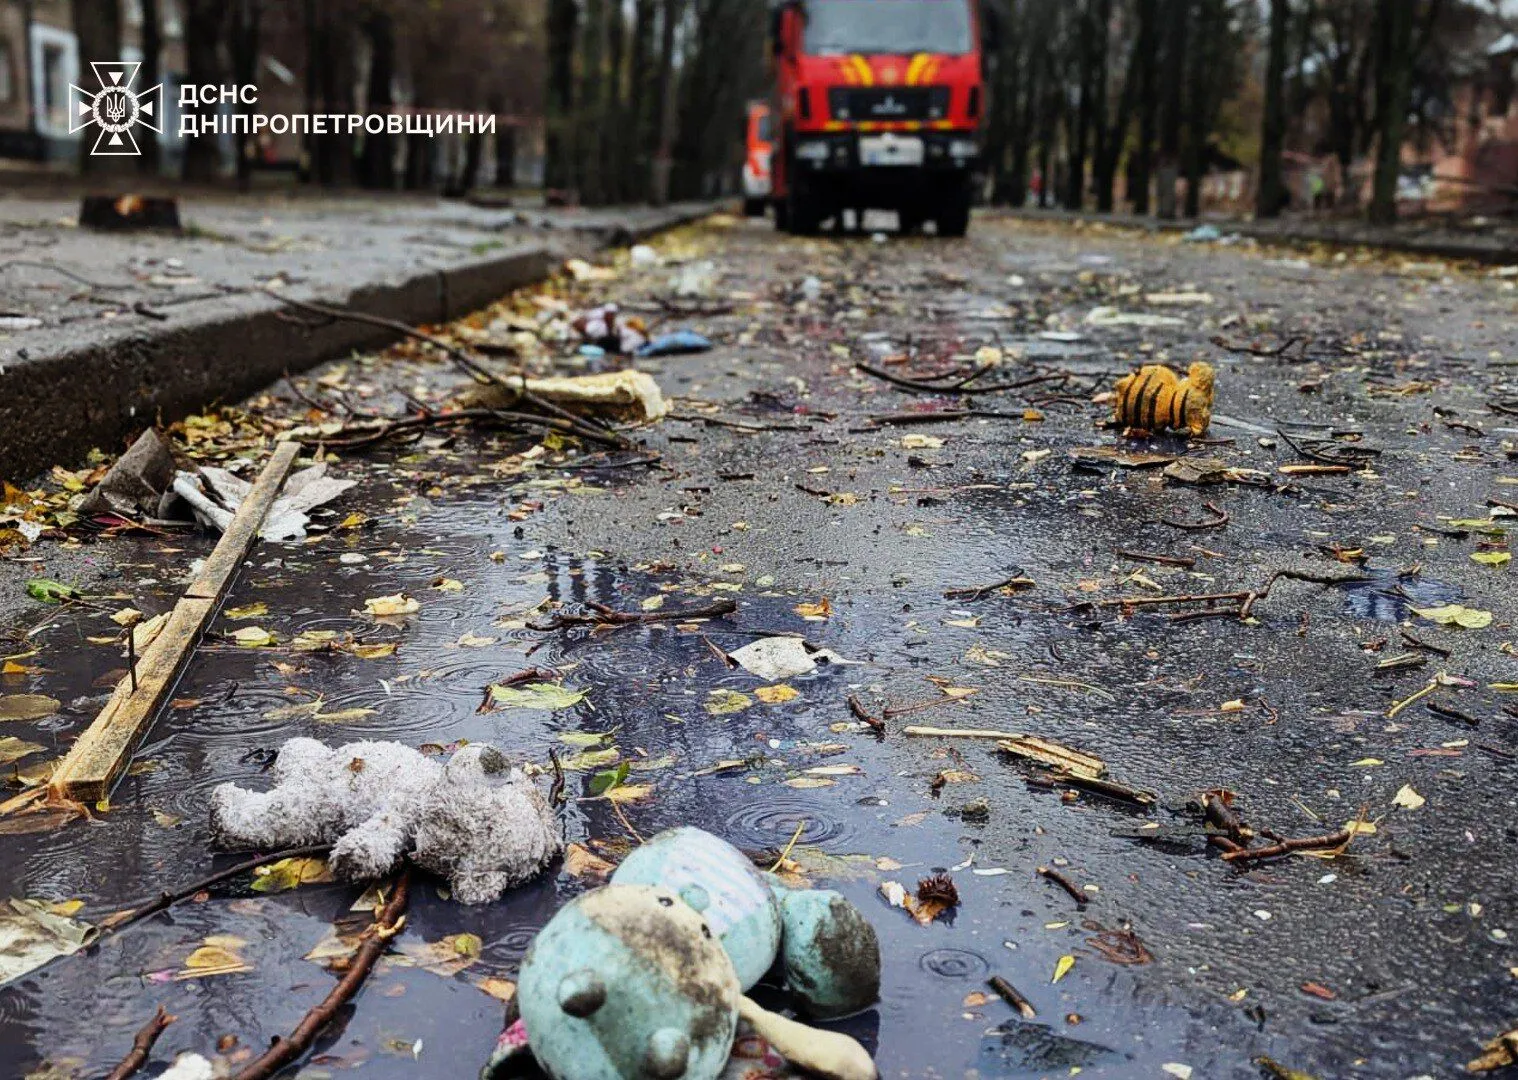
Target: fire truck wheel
x,y
805,213
753,207
954,219
782,215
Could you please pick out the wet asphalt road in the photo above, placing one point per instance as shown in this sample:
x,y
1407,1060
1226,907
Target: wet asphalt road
x,y
774,487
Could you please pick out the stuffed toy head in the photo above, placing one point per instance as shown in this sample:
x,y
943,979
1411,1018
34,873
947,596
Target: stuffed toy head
x,y
629,982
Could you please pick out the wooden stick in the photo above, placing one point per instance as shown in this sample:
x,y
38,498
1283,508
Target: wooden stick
x,y
96,761
1013,997
388,922
963,733
142,1045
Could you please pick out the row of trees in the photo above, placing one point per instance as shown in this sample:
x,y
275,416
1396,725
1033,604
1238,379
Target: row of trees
x,y
1162,89
645,104
348,55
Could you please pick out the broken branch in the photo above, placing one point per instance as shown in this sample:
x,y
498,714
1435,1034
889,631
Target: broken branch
x,y
142,1045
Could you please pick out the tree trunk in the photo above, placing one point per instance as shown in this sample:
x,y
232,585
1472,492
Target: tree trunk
x,y
1272,192
558,165
506,157
1394,30
1114,141
612,119
1201,106
149,76
203,21
1080,135
247,16
665,97
640,97
97,27
376,168
1178,15
1143,157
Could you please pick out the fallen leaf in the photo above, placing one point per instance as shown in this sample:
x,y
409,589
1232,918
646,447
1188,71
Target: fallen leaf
x,y
28,706
1407,798
1492,558
33,932
14,749
727,702
247,611
445,584
777,694
399,604
921,442
253,637
820,610
502,990
550,696
1456,615
804,783
127,616
290,873
1062,967
580,861
217,955
342,716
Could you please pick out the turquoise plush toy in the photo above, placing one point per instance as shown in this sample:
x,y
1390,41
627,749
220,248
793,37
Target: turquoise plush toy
x,y
644,978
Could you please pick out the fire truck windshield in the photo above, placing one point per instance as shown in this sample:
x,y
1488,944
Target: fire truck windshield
x,y
887,26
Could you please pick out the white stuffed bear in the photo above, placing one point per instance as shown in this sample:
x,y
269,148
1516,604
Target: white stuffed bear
x,y
477,820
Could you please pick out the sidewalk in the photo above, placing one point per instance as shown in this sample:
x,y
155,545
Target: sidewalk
x,y
1495,242
101,331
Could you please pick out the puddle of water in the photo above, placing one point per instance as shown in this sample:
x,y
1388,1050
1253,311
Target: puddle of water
x,y
1390,597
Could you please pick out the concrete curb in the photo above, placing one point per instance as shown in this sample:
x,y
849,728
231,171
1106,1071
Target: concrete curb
x,y
1489,250
57,404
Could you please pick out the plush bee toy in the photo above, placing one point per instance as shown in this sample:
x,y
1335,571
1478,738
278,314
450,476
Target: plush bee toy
x,y
1154,398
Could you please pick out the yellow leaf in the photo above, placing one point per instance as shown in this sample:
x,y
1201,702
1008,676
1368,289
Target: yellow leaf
x,y
921,442
1492,558
377,650
1367,761
448,585
466,944
820,610
1360,827
475,641
127,616
805,782
253,637
777,694
1456,615
652,603
247,611
630,792
502,990
580,861
399,604
1062,968
727,702
289,874
1407,798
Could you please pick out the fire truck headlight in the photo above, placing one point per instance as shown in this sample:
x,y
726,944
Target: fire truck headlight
x,y
961,149
813,150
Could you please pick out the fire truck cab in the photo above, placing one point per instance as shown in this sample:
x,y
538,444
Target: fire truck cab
x,y
880,105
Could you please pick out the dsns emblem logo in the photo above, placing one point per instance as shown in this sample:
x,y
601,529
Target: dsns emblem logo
x,y
115,109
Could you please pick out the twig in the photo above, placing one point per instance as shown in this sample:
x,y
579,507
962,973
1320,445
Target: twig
x,y
860,712
1012,997
921,387
388,922
1217,522
353,438
475,369
800,828
616,808
975,592
142,1045
1077,893
1163,560
556,789
607,616
169,899
1286,847
1254,350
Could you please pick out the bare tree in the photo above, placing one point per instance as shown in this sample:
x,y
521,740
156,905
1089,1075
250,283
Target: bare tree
x,y
97,28
1394,63
1272,192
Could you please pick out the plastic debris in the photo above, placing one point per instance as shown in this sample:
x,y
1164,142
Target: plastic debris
x,y
134,487
676,343
215,495
776,658
608,327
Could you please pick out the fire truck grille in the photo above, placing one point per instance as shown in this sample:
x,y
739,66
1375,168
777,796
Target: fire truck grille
x,y
888,103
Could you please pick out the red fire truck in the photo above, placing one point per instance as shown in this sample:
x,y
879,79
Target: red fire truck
x,y
880,104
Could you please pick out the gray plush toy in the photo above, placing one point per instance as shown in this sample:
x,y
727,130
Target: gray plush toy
x,y
476,820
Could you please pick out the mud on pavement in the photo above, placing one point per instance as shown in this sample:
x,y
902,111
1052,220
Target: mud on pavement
x,y
830,503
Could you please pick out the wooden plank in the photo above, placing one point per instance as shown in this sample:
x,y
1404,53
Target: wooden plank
x,y
218,569
97,759
100,755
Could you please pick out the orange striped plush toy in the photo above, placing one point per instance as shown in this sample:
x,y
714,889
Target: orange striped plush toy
x,y
1154,398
